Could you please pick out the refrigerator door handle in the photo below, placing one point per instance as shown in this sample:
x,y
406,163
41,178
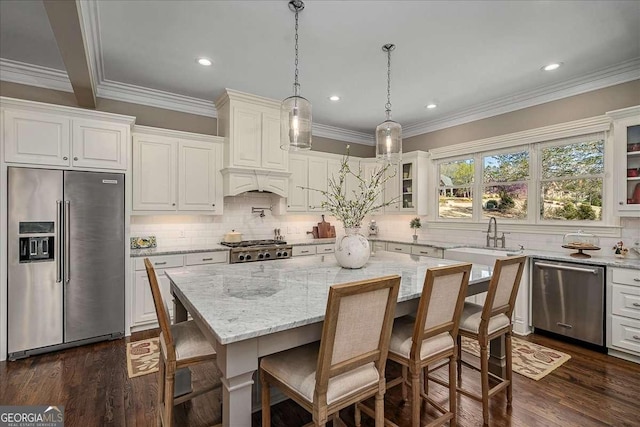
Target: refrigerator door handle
x,y
67,240
59,241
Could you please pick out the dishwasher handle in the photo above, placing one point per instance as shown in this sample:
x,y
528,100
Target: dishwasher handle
x,y
566,267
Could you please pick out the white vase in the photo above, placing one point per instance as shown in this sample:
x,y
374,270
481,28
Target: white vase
x,y
352,249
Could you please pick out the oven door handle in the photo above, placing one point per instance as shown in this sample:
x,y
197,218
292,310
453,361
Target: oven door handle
x,y
565,267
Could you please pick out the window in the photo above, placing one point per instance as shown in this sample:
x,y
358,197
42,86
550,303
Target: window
x,y
539,183
505,179
571,181
456,189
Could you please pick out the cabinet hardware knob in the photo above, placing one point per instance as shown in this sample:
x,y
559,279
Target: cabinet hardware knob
x,y
65,158
621,203
288,206
173,204
213,204
635,337
75,158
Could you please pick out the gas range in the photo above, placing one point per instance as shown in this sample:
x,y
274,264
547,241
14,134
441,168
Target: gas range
x,y
258,250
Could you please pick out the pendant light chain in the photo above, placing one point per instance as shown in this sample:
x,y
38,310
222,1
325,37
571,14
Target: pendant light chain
x,y
296,85
388,104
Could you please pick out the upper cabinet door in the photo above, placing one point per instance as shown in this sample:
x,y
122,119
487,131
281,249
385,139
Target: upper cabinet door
x,y
99,145
247,137
199,164
36,138
272,156
155,168
297,200
392,189
318,181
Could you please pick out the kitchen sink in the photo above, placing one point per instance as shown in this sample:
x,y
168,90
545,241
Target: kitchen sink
x,y
486,256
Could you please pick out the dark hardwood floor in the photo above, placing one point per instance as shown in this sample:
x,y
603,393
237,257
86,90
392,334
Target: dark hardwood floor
x,y
591,389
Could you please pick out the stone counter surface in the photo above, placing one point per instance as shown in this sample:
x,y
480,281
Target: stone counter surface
x,y
242,301
596,258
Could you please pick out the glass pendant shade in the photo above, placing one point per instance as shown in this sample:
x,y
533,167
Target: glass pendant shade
x,y
295,124
389,141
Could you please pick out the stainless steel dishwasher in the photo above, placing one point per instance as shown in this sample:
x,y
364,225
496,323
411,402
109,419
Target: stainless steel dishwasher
x,y
568,299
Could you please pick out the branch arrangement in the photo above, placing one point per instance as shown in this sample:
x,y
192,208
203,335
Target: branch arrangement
x,y
352,210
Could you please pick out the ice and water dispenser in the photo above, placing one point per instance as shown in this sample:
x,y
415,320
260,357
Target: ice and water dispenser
x,y
36,248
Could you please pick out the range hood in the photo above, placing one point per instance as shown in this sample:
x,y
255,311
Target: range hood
x,y
241,180
253,160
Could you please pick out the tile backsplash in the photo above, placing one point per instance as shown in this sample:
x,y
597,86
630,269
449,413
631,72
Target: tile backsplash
x,y
204,230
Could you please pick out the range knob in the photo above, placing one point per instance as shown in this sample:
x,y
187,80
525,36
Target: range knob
x,y
267,255
260,256
278,254
248,257
241,257
285,253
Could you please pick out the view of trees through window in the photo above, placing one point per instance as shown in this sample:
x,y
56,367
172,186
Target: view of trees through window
x,y
570,183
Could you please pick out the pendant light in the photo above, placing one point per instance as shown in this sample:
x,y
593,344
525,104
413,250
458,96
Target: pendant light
x,y
295,112
389,132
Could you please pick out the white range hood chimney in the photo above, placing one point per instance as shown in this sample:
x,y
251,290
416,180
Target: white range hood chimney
x,y
253,160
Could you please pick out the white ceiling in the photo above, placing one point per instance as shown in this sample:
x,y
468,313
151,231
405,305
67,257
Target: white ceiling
x,y
466,56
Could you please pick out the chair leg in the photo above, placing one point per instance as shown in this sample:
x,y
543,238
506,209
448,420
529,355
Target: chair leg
x,y
266,401
379,409
509,370
169,386
160,405
459,344
452,389
357,416
416,399
404,383
484,374
425,379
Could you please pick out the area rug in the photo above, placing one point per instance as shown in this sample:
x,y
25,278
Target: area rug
x,y
531,360
142,357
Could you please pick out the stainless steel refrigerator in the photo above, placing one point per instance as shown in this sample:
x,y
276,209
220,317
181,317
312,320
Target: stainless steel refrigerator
x,y
66,261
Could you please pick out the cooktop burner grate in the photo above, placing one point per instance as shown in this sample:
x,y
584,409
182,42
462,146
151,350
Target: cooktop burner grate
x,y
250,243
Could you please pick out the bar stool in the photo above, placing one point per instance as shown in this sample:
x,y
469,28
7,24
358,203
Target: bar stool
x,y
347,365
429,338
181,345
484,323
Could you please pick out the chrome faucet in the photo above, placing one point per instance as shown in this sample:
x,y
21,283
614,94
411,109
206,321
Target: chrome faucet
x,y
495,238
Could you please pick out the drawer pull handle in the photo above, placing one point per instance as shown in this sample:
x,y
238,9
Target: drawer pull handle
x,y
398,249
635,304
327,249
564,325
424,252
636,280
160,263
635,337
304,252
207,259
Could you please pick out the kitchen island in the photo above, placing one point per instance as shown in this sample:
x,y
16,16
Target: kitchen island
x,y
251,310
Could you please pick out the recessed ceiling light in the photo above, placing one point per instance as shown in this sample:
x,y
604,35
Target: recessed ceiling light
x,y
204,61
431,106
552,67
334,98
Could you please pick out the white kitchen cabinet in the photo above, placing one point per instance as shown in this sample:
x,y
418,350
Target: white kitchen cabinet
x,y
176,172
623,313
399,247
412,177
626,135
427,251
371,168
392,189
42,134
251,127
303,250
143,309
297,200
317,170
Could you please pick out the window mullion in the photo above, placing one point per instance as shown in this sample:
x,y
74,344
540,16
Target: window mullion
x,y
476,194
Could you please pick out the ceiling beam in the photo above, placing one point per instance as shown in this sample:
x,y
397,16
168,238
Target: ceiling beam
x,y
64,18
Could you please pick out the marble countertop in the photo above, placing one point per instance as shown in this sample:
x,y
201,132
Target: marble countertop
x,y
242,301
596,257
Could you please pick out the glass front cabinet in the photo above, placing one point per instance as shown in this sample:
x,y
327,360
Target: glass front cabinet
x,y
626,135
412,173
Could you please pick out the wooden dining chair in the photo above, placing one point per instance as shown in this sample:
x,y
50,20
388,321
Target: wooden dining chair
x,y
430,337
491,320
181,345
347,365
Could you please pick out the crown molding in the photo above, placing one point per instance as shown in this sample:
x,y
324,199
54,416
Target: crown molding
x,y
179,134
346,135
620,73
155,98
34,75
